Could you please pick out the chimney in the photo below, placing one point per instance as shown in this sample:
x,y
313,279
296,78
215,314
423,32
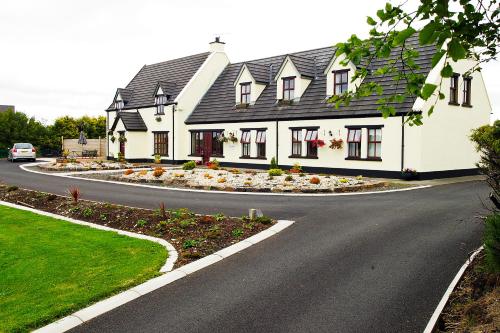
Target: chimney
x,y
217,45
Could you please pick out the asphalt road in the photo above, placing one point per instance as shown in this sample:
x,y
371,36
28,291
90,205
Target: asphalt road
x,y
367,263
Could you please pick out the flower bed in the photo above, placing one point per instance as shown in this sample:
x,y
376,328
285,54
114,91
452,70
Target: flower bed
x,y
249,181
75,165
193,236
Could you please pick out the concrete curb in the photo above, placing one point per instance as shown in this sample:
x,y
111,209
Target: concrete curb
x,y
81,316
172,253
435,316
72,175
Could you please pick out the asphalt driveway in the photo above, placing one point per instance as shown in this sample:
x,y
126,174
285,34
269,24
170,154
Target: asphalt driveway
x,y
365,263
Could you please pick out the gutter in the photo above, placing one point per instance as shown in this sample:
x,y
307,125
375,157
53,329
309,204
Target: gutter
x,y
173,131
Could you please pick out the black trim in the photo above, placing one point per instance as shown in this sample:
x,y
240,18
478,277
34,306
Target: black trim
x,y
304,127
160,132
305,157
254,129
454,104
466,105
252,158
352,158
364,126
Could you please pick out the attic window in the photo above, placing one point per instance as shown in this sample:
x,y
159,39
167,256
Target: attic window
x,y
340,81
160,101
119,105
288,88
245,93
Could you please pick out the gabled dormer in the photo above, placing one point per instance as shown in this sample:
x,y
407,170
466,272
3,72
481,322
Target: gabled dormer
x,y
250,83
338,77
122,97
163,95
293,77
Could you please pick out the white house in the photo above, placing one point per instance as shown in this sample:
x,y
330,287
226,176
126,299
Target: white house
x,y
184,109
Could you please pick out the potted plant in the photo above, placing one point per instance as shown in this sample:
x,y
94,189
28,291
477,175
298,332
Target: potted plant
x,y
241,106
121,157
318,143
409,174
336,143
158,118
113,139
222,138
122,139
296,168
232,138
157,158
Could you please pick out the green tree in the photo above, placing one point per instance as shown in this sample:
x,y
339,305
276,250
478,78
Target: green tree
x,y
463,29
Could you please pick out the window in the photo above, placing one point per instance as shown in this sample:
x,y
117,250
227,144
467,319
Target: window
x,y
374,143
119,105
161,143
217,145
312,143
288,88
245,143
454,89
340,81
467,88
354,143
261,144
296,142
196,143
160,102
245,93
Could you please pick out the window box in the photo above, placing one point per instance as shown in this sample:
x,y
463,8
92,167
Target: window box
x,y
284,102
241,106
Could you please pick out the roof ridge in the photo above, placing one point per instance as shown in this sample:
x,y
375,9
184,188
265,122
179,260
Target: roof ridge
x,y
284,55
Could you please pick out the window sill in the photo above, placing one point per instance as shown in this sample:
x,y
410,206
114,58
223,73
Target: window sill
x,y
375,159
467,105
453,103
304,157
252,158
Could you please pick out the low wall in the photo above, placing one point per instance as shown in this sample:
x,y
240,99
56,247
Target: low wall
x,y
92,144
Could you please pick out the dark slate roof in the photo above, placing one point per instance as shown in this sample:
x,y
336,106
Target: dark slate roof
x,y
126,94
167,87
218,104
305,66
4,108
131,120
178,71
259,72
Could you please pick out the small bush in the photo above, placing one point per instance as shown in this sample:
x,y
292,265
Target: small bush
x,y
75,193
235,171
492,243
208,176
103,217
51,197
344,180
237,232
301,174
186,223
88,212
189,243
275,172
221,180
158,172
273,164
206,219
141,223
247,183
214,165
219,217
143,172
288,178
178,175
314,180
263,220
296,168
189,165
128,172
12,188
359,177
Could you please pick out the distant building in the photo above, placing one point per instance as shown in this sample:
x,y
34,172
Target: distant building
x,y
4,108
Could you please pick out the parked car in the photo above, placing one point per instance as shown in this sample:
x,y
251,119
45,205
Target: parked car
x,y
22,151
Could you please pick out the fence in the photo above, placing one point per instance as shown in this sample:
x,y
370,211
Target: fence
x,y
72,145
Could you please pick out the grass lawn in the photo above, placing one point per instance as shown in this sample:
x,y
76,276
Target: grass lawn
x,y
50,268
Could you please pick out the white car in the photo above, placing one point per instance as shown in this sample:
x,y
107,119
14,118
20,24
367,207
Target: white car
x,y
22,151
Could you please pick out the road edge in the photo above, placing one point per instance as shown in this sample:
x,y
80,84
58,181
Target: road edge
x,y
444,300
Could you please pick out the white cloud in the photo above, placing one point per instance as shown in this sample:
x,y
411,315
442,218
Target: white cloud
x,y
68,57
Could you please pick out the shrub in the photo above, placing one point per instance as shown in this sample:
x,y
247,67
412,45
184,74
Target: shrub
x,y
275,172
221,180
12,188
314,180
51,197
288,178
237,232
103,217
301,174
273,164
141,223
189,243
247,183
206,219
158,172
296,168
213,165
219,217
186,223
344,180
88,212
359,177
208,176
235,171
143,172
263,220
75,193
189,165
178,175
128,172
492,243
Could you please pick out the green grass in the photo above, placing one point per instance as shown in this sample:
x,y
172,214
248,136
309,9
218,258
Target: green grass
x,y
50,268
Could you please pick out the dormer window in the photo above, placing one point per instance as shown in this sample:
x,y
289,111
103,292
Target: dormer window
x,y
245,93
119,105
288,88
340,81
160,101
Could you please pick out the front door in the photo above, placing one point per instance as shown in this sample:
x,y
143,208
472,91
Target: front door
x,y
207,146
122,144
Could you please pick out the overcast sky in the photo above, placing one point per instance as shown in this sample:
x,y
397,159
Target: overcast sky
x,y
68,57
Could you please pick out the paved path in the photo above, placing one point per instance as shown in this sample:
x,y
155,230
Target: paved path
x,y
367,263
